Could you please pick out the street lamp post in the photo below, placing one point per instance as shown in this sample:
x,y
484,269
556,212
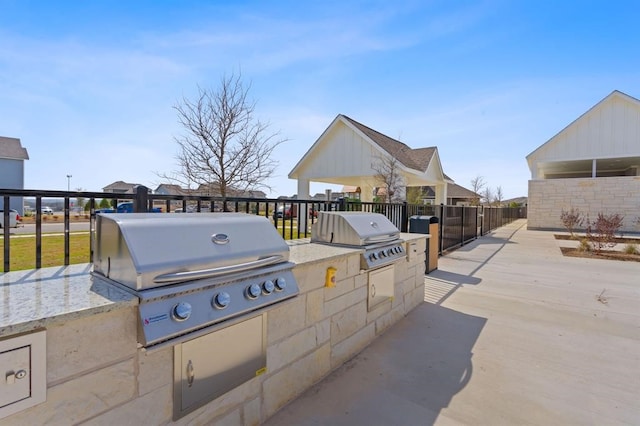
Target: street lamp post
x,y
69,182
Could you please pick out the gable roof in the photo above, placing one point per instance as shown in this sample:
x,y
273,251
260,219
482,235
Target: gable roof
x,y
10,148
170,189
417,159
453,191
119,185
456,191
615,93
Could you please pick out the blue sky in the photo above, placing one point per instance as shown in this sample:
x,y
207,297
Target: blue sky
x,y
88,86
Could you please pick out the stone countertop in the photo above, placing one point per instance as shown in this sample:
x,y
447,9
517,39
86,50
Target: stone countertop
x,y
408,237
37,298
304,251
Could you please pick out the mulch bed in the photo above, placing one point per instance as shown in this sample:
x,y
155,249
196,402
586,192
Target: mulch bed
x,y
619,240
604,254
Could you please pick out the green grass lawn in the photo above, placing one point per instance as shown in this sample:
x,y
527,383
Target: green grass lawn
x,y
23,250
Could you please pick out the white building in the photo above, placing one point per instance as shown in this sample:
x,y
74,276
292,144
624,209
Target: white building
x,y
593,165
345,154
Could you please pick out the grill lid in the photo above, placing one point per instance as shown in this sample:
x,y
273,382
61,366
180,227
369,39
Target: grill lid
x,y
353,229
146,250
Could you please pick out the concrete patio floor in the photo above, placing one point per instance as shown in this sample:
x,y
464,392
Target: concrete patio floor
x,y
511,333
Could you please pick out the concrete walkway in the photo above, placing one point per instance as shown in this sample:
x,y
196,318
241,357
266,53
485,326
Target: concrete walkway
x,y
511,333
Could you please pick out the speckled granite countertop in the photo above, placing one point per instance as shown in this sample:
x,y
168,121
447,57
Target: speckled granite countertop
x,y
407,237
303,251
39,297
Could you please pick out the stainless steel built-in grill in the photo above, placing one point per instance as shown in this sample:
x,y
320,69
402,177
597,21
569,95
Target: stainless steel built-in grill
x,y
370,231
192,270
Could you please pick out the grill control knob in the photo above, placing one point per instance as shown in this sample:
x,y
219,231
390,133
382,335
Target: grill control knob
x,y
253,291
268,287
400,249
389,252
281,284
221,300
373,257
181,311
382,254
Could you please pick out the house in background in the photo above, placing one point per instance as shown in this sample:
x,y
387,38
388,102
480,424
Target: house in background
x,y
12,157
593,165
346,152
120,187
170,189
213,190
353,192
518,202
456,195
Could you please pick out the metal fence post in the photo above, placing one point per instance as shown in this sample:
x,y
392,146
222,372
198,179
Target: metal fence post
x,y
441,239
405,217
5,232
141,201
462,227
342,204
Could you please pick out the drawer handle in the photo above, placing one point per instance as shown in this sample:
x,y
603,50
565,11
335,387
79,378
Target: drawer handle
x,y
190,374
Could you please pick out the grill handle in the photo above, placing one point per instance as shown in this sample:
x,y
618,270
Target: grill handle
x,y
207,273
381,238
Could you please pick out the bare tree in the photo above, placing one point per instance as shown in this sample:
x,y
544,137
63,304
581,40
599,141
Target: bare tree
x,y
389,177
414,195
224,147
477,185
487,195
498,196
79,201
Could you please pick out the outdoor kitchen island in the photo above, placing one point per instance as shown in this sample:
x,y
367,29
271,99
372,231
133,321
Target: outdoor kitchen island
x,y
96,372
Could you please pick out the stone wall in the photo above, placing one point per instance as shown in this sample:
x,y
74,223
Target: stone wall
x,y
96,375
609,195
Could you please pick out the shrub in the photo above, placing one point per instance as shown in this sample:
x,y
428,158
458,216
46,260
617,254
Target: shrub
x,y
584,245
571,220
601,233
631,249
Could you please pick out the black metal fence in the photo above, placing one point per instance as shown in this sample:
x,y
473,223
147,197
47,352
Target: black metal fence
x,y
292,218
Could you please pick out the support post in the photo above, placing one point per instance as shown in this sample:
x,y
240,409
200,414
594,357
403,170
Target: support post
x,y
405,217
141,201
441,236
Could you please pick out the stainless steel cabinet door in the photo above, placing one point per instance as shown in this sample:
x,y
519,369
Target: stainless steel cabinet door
x,y
215,363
